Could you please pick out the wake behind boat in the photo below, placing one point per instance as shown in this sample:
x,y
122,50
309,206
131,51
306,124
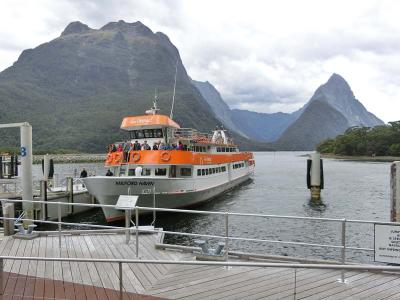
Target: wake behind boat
x,y
181,166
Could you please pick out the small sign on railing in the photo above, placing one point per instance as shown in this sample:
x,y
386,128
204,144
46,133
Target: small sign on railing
x,y
126,202
387,243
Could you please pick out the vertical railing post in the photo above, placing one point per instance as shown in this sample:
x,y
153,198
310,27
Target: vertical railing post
x,y
226,235
137,230
295,284
154,206
120,279
343,256
1,276
127,225
59,224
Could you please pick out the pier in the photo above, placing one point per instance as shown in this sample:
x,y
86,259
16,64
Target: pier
x,y
106,263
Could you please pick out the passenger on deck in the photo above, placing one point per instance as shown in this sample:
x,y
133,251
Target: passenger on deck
x,y
146,146
174,147
155,146
162,146
83,173
120,148
113,148
109,173
185,148
136,146
180,146
126,151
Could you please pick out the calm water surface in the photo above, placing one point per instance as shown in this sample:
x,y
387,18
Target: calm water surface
x,y
353,190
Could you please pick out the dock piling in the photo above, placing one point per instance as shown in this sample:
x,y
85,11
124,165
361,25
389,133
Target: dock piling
x,y
315,176
395,192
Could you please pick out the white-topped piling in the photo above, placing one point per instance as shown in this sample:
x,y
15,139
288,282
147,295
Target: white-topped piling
x,y
26,168
395,192
315,176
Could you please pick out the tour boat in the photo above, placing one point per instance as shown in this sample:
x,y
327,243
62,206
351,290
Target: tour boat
x,y
200,168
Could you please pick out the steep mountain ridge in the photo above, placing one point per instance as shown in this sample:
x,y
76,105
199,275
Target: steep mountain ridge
x,y
283,130
75,89
318,122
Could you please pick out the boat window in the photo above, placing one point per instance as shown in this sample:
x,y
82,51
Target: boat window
x,y
173,171
158,133
186,172
148,133
203,172
206,171
131,172
198,172
223,169
146,172
218,149
139,134
161,172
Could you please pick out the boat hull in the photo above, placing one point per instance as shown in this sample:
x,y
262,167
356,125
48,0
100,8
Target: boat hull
x,y
169,192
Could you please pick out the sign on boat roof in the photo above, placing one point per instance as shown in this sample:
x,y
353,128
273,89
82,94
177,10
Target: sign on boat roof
x,y
147,121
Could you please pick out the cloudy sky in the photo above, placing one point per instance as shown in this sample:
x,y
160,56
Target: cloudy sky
x,y
265,56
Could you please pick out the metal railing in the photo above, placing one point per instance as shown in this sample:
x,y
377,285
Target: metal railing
x,y
295,267
343,246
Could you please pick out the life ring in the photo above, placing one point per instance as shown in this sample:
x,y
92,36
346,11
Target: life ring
x,y
135,156
165,156
109,158
117,157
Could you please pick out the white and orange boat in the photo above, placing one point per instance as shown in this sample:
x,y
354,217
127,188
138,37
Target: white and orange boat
x,y
207,166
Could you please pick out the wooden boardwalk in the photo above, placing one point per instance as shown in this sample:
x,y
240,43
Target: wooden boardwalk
x,y
81,280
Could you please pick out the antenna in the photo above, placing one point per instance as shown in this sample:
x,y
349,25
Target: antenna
x,y
173,95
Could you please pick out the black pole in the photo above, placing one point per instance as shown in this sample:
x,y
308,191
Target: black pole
x,y
1,167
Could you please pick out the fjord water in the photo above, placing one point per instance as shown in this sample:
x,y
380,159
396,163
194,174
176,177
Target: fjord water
x,y
353,190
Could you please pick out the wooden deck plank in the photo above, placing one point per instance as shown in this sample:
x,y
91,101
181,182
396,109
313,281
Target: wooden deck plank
x,y
40,270
100,267
118,247
49,270
79,290
383,291
109,269
364,284
328,290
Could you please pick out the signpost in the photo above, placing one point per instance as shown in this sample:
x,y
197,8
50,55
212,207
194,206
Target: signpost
x,y
128,203
387,243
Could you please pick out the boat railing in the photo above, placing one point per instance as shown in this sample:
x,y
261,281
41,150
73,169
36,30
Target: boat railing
x,y
343,246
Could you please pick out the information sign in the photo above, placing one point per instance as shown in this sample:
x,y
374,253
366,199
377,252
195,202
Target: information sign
x,y
387,243
126,202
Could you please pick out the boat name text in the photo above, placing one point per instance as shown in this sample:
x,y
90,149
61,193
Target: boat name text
x,y
134,183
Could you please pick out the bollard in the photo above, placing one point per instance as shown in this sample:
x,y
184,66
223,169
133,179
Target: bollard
x,y
315,176
8,212
395,192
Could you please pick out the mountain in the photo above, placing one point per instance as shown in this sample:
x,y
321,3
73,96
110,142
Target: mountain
x,y
262,126
219,107
76,89
257,126
331,110
337,93
304,128
318,122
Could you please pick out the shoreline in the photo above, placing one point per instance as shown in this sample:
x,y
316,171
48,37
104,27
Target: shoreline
x,y
361,158
72,158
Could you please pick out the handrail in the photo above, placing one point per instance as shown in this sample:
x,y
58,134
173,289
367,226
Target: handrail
x,y
210,263
227,237
145,208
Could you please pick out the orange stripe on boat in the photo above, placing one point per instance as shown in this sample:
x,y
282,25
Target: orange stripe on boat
x,y
178,157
